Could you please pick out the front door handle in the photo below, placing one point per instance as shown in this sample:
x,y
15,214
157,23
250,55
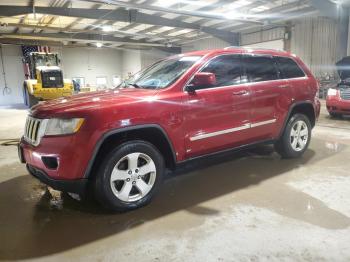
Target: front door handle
x,y
240,93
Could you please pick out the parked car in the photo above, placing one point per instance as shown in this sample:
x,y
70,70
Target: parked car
x,y
338,97
119,142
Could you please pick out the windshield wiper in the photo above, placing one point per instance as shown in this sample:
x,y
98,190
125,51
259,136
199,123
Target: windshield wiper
x,y
135,85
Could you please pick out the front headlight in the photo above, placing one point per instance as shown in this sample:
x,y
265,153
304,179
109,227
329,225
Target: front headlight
x,y
57,126
332,92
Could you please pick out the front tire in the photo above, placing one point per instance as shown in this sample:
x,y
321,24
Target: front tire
x,y
335,115
295,138
129,176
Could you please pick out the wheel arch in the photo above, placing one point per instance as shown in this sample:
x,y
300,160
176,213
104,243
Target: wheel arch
x,y
151,133
306,108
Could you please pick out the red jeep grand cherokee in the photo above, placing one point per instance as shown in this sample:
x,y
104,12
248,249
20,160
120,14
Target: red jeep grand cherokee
x,y
119,142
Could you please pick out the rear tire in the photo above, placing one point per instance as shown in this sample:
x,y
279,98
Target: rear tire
x,y
129,176
295,138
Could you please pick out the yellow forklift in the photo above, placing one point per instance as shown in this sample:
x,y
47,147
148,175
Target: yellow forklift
x,y
45,79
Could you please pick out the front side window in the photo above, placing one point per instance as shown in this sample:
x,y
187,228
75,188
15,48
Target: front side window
x,y
226,68
163,73
288,68
260,68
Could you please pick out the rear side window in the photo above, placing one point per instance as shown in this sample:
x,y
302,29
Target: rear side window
x,y
260,68
226,68
289,68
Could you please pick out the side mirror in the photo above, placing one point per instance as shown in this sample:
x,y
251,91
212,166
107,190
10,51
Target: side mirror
x,y
201,80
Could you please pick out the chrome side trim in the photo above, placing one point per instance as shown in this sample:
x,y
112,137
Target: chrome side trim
x,y
221,132
263,123
231,130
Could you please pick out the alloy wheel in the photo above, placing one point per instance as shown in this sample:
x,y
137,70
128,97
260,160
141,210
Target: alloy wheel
x,y
133,177
299,135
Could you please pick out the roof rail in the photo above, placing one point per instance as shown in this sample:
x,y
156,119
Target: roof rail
x,y
233,46
255,48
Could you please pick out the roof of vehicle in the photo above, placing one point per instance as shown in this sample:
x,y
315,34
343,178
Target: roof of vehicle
x,y
234,49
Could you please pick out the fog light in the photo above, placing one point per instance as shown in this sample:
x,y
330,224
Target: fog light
x,y
50,162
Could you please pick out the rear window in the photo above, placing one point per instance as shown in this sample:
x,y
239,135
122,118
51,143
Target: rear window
x,y
260,68
289,68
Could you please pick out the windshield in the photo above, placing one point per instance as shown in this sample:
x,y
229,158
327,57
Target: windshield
x,y
45,59
161,74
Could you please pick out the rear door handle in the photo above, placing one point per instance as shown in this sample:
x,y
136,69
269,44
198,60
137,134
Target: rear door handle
x,y
240,93
284,86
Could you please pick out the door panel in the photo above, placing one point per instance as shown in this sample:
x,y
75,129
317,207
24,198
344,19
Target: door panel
x,y
268,94
217,117
268,99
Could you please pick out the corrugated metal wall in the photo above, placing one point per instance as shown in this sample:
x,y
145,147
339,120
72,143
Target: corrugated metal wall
x,y
203,44
315,41
248,38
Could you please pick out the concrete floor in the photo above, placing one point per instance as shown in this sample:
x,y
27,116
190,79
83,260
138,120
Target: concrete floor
x,y
250,206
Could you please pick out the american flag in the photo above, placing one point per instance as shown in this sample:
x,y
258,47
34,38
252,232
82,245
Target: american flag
x,y
26,50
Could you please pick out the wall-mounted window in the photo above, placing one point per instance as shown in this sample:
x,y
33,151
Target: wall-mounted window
x,y
116,81
101,82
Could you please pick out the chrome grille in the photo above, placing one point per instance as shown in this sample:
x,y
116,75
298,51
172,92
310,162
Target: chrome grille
x,y
345,94
32,130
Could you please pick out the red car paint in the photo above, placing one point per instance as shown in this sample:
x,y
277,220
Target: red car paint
x,y
337,105
183,116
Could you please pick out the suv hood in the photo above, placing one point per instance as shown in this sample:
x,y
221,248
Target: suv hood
x,y
92,101
343,68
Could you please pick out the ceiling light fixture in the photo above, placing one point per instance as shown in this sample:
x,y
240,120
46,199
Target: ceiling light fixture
x,y
106,28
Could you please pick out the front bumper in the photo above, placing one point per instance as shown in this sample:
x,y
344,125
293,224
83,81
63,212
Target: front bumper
x,y
338,105
59,162
71,186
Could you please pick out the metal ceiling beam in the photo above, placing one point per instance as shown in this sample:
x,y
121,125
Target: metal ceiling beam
x,y
270,15
89,31
80,37
305,12
131,16
13,41
155,8
201,21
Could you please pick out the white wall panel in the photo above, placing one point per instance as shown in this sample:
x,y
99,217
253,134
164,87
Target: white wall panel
x,y
315,41
249,38
14,75
151,56
91,63
131,62
274,44
204,44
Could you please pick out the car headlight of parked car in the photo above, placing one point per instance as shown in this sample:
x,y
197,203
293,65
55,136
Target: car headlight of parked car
x,y
332,92
60,126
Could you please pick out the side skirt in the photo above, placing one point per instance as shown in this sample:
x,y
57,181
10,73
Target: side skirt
x,y
226,151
